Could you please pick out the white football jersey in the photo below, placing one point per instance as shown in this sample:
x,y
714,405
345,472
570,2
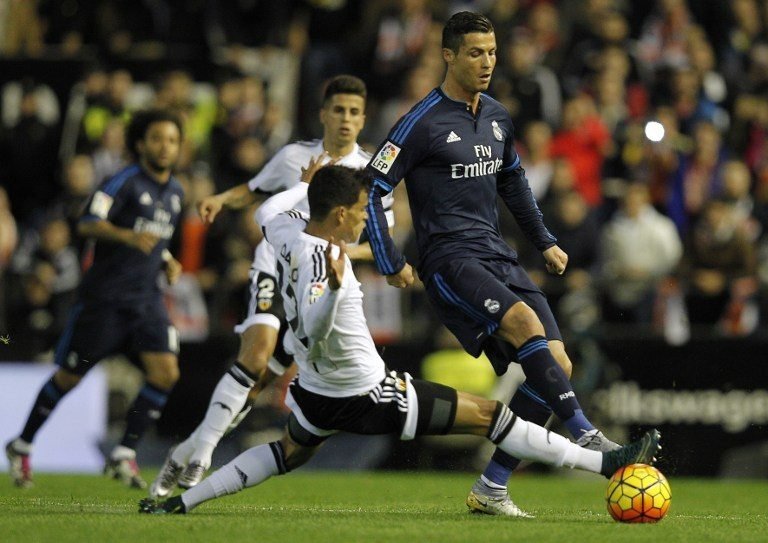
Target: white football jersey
x,y
283,171
328,334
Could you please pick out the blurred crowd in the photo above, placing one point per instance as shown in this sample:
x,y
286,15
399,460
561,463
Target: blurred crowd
x,y
643,127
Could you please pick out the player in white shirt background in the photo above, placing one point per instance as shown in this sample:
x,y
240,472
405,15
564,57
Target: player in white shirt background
x,y
343,384
260,357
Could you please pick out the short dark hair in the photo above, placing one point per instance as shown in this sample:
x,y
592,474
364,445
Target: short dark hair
x,y
345,84
461,23
142,120
334,186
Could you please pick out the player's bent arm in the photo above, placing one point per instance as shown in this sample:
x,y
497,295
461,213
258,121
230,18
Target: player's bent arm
x,y
513,188
318,316
237,197
102,229
281,202
389,260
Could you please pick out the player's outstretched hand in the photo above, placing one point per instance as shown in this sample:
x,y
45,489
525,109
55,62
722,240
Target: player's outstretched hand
x,y
315,163
143,241
556,259
335,266
208,208
403,278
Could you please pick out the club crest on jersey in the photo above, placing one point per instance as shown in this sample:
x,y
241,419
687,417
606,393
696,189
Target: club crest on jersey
x,y
492,306
316,290
497,133
145,199
386,157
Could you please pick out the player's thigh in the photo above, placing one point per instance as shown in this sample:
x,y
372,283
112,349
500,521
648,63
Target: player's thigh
x,y
263,326
470,299
91,334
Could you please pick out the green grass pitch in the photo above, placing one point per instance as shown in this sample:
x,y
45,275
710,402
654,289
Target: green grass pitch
x,y
317,507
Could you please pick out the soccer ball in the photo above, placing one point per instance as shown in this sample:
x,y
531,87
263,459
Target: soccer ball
x,y
638,493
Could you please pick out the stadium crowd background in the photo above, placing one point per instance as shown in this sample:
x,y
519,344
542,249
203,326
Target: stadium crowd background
x,y
668,237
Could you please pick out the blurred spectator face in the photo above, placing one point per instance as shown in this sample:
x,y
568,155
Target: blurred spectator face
x,y
572,209
250,155
635,200
229,94
28,105
96,82
717,216
610,89
78,176
614,61
562,176
342,117
686,83
120,83
113,138
707,139
543,19
54,236
421,80
613,27
522,51
736,180
176,89
537,136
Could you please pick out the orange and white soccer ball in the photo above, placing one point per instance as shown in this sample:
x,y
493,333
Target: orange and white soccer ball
x,y
638,493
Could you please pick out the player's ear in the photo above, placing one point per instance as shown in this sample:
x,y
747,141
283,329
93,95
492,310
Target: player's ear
x,y
341,214
448,55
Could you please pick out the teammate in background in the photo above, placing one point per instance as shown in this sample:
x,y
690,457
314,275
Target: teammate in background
x,y
343,384
456,153
120,308
261,356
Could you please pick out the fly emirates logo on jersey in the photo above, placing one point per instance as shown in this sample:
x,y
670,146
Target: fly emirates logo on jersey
x,y
484,165
160,225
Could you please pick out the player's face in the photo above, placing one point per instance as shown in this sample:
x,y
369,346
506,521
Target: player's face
x,y
343,117
354,218
160,147
471,68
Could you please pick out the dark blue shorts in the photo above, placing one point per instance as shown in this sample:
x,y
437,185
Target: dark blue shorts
x,y
471,297
95,332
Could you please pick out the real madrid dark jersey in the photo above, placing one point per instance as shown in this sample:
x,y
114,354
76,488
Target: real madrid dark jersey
x,y
131,199
454,163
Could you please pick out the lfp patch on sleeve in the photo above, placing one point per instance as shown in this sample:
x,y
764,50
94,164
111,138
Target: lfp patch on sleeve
x,y
101,204
386,157
316,291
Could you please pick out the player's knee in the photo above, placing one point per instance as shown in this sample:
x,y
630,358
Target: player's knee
x,y
296,455
164,372
521,323
66,381
255,361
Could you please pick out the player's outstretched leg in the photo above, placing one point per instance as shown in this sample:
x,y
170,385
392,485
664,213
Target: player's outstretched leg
x,y
528,441
250,468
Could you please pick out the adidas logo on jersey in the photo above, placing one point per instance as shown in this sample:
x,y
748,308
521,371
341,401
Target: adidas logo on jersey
x,y
452,137
145,199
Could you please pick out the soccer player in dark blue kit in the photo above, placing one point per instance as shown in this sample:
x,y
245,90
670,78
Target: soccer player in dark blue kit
x,y
455,150
131,217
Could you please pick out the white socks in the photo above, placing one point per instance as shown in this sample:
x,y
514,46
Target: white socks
x,y
227,400
251,468
530,441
